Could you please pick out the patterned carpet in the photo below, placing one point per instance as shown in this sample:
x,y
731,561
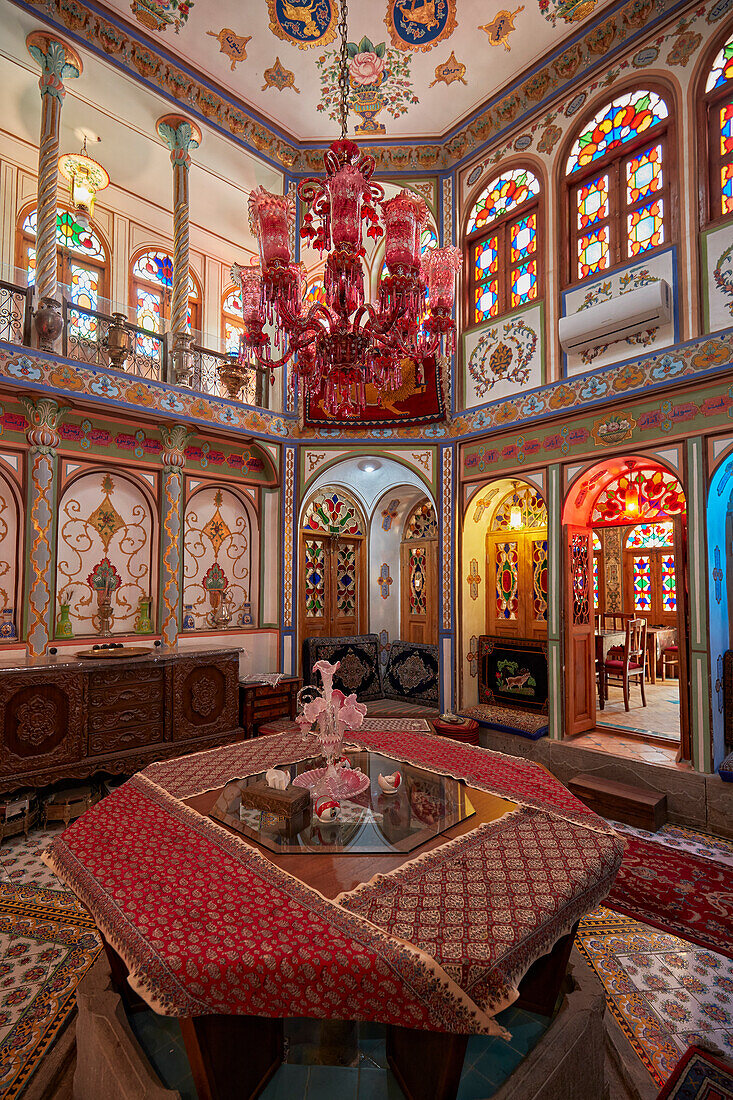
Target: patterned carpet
x,y
47,943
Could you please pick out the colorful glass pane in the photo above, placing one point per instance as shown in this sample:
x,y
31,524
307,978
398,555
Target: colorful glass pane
x,y
85,295
645,227
70,235
428,238
669,584
524,283
642,583
508,191
649,536
593,252
579,571
644,174
333,515
593,201
315,578
726,130
539,580
486,301
486,259
596,583
315,292
639,495
532,511
422,523
596,542
149,309
156,267
30,266
417,568
232,333
726,189
507,580
523,238
346,579
722,69
625,119
233,303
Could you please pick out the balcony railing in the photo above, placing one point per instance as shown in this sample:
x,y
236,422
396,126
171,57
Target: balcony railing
x,y
86,339
15,313
206,377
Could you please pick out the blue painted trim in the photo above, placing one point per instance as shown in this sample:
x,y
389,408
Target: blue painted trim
x,y
620,271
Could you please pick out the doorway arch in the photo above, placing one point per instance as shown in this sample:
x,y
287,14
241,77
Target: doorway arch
x,y
619,496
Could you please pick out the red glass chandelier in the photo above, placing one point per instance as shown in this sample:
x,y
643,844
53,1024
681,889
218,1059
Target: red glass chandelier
x,y
338,348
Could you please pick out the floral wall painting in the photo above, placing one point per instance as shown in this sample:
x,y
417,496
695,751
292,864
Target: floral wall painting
x,y
623,281
501,26
156,15
279,77
569,11
450,70
304,23
379,79
718,273
420,24
105,526
217,555
504,357
232,44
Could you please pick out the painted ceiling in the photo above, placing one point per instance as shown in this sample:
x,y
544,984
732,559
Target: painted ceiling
x,y
416,69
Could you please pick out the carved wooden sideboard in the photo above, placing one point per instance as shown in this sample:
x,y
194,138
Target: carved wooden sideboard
x,y
66,717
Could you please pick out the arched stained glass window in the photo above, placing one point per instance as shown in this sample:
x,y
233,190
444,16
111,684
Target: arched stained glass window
x,y
638,495
422,524
719,108
152,283
503,246
519,510
231,320
331,513
650,536
619,184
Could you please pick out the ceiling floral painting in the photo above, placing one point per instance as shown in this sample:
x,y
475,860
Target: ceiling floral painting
x,y
157,15
379,79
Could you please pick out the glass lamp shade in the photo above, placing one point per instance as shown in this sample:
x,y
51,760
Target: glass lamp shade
x,y
346,192
404,218
250,280
441,265
270,218
515,517
85,178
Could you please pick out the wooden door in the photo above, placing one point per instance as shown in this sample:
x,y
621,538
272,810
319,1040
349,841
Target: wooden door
x,y
683,618
315,616
516,584
331,586
345,587
418,591
580,657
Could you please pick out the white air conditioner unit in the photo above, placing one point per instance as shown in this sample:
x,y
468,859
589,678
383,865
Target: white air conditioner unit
x,y
637,310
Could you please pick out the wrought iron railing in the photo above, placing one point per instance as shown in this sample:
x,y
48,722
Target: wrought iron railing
x,y
86,339
15,313
206,377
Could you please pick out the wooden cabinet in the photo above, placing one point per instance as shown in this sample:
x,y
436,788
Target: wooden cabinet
x,y
69,718
261,702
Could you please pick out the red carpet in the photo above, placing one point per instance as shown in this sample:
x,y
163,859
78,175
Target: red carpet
x,y
699,1074
677,892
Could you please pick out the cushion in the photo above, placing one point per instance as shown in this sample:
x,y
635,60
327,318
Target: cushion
x,y
532,726
671,649
412,673
359,657
513,673
725,771
621,664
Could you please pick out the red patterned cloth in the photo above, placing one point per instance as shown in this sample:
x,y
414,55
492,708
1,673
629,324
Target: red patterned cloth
x,y
206,924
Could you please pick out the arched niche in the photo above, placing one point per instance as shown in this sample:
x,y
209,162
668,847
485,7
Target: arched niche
x,y
10,561
220,552
106,524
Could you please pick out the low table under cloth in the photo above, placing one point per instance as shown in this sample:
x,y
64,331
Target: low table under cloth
x,y
208,926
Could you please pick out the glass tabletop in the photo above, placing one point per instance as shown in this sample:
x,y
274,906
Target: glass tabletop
x,y
426,804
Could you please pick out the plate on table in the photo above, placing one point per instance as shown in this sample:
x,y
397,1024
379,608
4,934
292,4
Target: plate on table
x,y
123,651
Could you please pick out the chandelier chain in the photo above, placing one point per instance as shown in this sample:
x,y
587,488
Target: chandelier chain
x,y
344,70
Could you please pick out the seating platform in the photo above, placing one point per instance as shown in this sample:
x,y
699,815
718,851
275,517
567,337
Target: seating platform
x,y
620,801
508,720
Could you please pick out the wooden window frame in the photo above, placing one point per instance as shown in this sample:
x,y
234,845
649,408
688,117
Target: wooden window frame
x,y
709,104
194,304
613,163
501,227
656,615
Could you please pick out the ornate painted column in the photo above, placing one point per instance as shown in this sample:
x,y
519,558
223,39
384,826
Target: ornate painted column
x,y
180,136
45,415
58,61
171,524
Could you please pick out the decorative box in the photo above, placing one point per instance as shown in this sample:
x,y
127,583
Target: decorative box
x,y
288,810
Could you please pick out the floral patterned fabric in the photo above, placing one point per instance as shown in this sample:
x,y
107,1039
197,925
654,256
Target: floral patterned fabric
x,y
359,657
206,924
412,673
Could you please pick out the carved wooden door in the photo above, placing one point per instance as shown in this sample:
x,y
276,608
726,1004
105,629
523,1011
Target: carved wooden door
x,y
418,582
580,657
516,586
315,616
331,586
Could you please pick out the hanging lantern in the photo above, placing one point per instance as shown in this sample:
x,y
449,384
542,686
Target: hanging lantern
x,y
86,178
515,517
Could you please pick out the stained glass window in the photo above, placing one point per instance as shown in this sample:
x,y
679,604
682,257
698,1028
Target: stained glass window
x,y
644,174
152,274
596,583
503,194
332,514
622,121
579,579
232,323
417,575
81,268
539,580
722,69
422,524
315,578
669,583
720,132
520,509
85,294
644,494
642,581
315,292
70,235
649,536
507,580
346,579
646,227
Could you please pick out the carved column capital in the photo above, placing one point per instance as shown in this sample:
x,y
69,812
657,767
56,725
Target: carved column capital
x,y
45,415
175,437
180,135
58,60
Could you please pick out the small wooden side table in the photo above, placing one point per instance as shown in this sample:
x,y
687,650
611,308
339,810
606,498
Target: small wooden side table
x,y
260,702
466,730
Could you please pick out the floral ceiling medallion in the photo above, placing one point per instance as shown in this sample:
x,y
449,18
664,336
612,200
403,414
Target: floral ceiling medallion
x,y
570,11
450,70
501,26
277,76
156,15
233,45
304,23
420,24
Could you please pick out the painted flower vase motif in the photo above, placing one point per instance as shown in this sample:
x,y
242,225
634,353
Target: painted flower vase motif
x,y
63,623
367,103
8,632
367,72
189,623
143,621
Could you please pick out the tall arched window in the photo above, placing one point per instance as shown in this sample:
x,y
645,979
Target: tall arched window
x,y
503,246
152,285
618,184
82,265
719,112
232,324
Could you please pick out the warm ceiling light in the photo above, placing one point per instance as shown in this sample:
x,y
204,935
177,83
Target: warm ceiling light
x,y
369,465
515,516
85,177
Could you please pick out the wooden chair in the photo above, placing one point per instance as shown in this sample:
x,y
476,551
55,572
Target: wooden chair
x,y
670,659
627,662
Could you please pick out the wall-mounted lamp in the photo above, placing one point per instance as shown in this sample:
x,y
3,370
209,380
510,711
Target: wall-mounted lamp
x,y
85,177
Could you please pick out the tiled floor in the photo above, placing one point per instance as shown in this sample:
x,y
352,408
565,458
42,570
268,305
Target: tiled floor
x,y
631,748
660,716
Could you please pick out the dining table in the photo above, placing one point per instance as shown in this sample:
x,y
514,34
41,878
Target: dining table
x,y
483,866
